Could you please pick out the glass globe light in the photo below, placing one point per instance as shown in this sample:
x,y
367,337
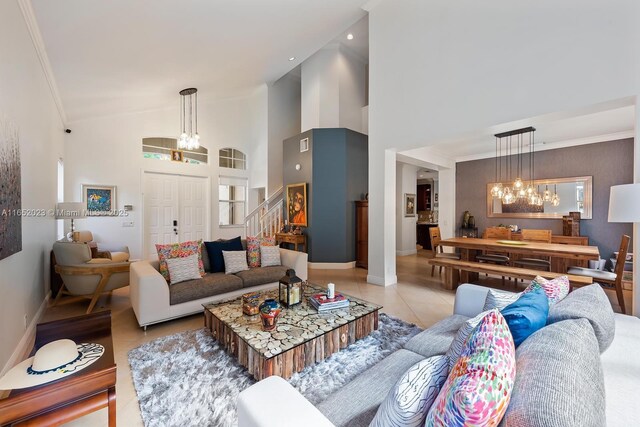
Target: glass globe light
x,y
518,184
555,200
547,195
495,190
530,190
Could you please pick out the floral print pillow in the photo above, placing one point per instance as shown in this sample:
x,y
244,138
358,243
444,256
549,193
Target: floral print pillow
x,y
478,389
253,248
555,289
179,250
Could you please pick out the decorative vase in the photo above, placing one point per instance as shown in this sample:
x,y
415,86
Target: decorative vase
x,y
472,221
465,219
269,311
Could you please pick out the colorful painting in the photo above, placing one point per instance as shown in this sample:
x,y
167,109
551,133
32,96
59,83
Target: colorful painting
x,y
409,204
99,199
10,190
297,204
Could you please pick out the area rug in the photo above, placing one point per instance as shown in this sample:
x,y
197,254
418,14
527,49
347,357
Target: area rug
x,y
187,379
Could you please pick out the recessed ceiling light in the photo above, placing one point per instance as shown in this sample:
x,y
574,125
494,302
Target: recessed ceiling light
x,y
349,36
292,58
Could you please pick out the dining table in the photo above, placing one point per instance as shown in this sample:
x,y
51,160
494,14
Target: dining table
x,y
577,255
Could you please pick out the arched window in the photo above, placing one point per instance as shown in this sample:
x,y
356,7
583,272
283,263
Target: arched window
x,y
232,158
166,148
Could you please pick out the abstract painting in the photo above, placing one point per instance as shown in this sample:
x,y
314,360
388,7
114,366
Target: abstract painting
x,y
10,189
99,199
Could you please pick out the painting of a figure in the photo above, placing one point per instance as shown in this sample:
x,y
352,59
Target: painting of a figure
x,y
297,204
10,189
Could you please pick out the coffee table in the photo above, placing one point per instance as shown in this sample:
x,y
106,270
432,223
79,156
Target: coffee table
x,y
302,337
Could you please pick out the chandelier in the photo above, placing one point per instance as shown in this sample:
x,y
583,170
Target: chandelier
x,y
518,189
189,138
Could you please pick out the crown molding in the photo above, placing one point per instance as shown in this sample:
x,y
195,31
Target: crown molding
x,y
36,37
371,4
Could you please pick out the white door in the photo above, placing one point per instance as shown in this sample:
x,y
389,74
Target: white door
x,y
175,210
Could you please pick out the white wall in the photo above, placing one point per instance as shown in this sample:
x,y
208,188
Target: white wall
x,y
406,182
441,69
108,150
25,100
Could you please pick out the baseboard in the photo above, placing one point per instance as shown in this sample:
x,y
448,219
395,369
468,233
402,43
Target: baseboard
x,y
407,252
376,280
24,346
332,265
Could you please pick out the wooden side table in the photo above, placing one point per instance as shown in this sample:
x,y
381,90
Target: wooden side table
x,y
72,397
295,239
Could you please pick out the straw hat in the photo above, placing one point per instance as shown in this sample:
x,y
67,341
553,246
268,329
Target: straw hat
x,y
55,360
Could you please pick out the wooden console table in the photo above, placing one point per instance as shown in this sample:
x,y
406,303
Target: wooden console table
x,y
72,397
295,239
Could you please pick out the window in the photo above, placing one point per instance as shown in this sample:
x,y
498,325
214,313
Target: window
x,y
232,158
160,149
232,196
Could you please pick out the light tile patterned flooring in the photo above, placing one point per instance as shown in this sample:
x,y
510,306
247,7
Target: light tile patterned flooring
x,y
417,298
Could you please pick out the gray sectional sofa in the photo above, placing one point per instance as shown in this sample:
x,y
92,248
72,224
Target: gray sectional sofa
x,y
582,369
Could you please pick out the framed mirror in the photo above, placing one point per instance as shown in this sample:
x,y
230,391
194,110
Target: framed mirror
x,y
575,196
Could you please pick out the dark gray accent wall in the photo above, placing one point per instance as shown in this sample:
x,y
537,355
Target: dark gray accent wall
x,y
610,163
336,170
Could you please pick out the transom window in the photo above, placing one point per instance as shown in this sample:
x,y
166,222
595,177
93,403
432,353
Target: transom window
x,y
232,158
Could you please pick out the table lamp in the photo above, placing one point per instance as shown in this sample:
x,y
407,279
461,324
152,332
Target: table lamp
x,y
624,203
70,210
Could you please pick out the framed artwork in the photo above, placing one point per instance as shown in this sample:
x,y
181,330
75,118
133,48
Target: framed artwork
x,y
409,204
10,190
177,156
297,204
99,199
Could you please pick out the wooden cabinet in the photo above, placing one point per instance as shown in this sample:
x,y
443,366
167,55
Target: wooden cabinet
x,y
424,197
362,233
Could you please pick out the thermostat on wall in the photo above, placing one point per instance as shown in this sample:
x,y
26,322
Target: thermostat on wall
x,y
128,207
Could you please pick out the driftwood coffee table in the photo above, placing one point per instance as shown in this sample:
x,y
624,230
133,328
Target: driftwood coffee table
x,y
303,336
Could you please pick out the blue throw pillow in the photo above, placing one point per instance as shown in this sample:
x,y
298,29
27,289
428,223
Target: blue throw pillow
x,y
214,250
527,314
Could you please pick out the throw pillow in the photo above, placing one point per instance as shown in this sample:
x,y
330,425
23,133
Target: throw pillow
x,y
499,299
527,315
270,256
457,345
408,402
253,248
183,269
178,250
214,249
235,261
478,390
555,289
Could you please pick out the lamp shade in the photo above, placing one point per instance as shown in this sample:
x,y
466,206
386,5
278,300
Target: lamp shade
x,y
624,203
70,210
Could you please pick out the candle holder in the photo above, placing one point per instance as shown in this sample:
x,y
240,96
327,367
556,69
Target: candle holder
x,y
290,289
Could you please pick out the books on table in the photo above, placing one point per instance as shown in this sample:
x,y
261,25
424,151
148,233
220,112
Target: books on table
x,y
321,303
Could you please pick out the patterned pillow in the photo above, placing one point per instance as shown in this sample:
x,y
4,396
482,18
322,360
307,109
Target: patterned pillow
x,y
457,345
555,289
478,390
179,250
408,402
235,261
270,256
183,269
253,248
499,299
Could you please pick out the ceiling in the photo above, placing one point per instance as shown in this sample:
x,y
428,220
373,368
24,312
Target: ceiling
x,y
118,56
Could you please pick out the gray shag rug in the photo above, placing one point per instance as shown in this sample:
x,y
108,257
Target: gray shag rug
x,y
187,379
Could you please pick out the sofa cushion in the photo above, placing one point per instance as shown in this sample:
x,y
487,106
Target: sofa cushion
x,y
458,343
526,315
176,250
235,261
499,299
356,403
183,269
253,248
437,339
589,302
556,289
261,275
205,258
559,380
211,284
270,256
214,250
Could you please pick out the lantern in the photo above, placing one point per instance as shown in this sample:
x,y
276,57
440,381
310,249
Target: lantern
x,y
290,289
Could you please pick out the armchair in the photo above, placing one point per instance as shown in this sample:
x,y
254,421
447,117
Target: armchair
x,y
84,276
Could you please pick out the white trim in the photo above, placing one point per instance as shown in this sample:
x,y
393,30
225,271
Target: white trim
x,y
25,344
407,252
32,26
331,265
376,280
370,5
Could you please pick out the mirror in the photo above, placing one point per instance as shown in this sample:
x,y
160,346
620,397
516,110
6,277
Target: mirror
x,y
575,196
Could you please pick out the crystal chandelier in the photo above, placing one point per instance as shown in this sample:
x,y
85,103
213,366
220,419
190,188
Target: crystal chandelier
x,y
189,138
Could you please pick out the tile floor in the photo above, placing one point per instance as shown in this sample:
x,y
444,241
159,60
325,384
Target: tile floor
x,y
417,298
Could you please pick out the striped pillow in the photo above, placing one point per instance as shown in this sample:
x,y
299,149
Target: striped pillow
x,y
455,349
408,402
499,299
555,289
235,261
270,256
183,269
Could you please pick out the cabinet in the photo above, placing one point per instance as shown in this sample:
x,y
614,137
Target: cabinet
x,y
362,233
424,197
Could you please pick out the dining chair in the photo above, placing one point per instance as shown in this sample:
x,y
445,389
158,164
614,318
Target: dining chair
x,y
437,250
607,279
497,233
531,235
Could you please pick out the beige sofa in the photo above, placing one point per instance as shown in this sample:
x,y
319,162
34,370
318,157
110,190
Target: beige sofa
x,y
154,301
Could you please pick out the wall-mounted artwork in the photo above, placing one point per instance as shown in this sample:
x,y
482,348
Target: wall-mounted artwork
x,y
99,200
10,189
177,156
409,204
297,204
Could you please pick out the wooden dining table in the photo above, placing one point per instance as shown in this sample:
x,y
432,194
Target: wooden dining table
x,y
577,255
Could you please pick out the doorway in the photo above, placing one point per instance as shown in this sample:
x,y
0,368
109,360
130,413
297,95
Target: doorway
x,y
176,209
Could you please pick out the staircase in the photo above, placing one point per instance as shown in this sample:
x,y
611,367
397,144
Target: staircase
x,y
266,219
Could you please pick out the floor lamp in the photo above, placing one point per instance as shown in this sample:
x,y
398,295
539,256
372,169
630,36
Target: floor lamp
x,y
70,210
